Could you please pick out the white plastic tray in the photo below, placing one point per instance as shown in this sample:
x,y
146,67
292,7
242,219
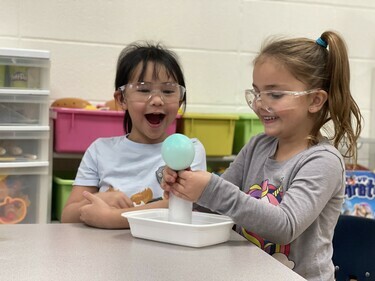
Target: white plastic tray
x,y
205,229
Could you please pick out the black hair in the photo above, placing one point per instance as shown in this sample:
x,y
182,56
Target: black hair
x,y
142,53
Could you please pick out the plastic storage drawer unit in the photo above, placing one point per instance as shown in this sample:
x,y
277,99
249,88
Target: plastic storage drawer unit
x,y
247,126
25,181
215,131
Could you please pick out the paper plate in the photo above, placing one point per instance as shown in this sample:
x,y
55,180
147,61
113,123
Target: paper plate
x,y
205,229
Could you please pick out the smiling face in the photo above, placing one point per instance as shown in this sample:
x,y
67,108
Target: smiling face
x,y
290,118
151,118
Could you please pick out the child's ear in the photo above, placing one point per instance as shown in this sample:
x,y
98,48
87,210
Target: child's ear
x,y
120,101
318,100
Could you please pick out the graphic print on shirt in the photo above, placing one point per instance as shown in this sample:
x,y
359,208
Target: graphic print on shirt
x,y
145,196
273,195
142,198
139,198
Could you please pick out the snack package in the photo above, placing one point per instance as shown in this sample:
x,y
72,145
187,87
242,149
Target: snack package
x,y
359,193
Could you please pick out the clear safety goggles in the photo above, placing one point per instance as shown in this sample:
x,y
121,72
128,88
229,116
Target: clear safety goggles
x,y
274,100
143,91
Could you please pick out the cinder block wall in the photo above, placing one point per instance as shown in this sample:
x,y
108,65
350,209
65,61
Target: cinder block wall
x,y
215,40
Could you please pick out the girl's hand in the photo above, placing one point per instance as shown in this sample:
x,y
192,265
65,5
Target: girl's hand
x,y
115,199
190,184
97,213
169,178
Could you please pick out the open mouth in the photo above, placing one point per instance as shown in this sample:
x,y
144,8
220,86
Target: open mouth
x,y
269,118
155,119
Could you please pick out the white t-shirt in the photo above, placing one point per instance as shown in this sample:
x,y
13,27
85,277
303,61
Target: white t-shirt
x,y
127,166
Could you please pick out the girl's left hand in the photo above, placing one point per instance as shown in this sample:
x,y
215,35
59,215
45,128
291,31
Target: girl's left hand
x,y
96,214
190,184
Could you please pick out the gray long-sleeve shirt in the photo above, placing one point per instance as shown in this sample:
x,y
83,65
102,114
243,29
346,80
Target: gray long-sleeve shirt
x,y
287,208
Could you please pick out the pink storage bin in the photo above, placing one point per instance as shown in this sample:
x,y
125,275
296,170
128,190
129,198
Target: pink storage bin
x,y
76,129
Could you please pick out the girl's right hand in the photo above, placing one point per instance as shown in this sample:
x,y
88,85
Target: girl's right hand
x,y
169,178
116,199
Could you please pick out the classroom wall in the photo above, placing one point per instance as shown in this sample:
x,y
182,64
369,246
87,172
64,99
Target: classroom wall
x,y
216,41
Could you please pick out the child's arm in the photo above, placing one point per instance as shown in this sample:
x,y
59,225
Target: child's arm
x,y
76,200
71,213
99,214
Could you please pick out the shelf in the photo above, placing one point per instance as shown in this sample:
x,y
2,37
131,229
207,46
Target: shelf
x,y
229,158
58,155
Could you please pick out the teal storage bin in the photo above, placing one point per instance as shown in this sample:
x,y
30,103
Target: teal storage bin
x,y
247,126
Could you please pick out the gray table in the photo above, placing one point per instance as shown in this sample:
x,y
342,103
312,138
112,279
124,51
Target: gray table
x,y
78,252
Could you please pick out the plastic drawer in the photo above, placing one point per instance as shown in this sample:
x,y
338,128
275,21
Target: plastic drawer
x,y
24,69
24,195
24,108
23,146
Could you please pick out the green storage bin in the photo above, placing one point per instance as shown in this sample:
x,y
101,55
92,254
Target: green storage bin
x,y
247,126
62,186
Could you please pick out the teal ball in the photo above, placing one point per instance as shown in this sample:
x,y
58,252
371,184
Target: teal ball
x,y
178,152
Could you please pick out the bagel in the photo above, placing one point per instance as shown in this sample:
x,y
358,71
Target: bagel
x,y
71,103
